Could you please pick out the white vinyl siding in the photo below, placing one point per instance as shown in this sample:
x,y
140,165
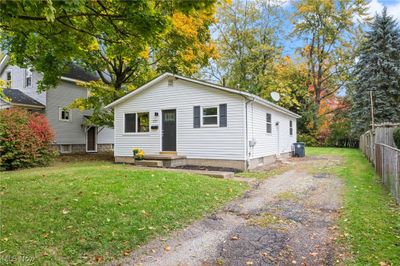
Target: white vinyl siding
x,y
18,76
202,143
267,144
61,96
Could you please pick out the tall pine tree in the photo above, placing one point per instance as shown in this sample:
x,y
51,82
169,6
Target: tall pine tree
x,y
378,70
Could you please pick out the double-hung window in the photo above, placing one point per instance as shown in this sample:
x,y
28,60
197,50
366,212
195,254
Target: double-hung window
x,y
28,78
269,123
64,114
290,127
137,122
210,116
9,78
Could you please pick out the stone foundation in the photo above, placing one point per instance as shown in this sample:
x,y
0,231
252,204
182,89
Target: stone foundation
x,y
81,148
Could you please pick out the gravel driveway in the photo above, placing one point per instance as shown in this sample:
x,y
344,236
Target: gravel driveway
x,y
287,219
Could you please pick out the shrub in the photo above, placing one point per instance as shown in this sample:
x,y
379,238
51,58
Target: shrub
x,y
396,137
309,140
25,139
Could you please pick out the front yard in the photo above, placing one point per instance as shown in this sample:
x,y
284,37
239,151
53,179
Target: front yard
x,y
80,212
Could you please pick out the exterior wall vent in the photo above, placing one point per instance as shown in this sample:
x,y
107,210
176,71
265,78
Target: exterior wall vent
x,y
170,82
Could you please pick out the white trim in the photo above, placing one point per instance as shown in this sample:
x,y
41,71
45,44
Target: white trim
x,y
95,139
60,110
243,93
3,63
71,80
136,124
202,116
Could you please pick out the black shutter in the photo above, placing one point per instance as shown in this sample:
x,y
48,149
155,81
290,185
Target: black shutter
x,y
223,118
196,116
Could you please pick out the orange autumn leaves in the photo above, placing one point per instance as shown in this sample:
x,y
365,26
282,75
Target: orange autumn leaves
x,y
193,28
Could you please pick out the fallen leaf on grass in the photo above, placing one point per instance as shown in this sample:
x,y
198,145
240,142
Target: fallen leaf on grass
x,y
249,263
127,253
98,258
65,211
234,238
167,248
313,254
382,263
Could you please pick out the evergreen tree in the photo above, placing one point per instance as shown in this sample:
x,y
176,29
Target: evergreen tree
x,y
378,70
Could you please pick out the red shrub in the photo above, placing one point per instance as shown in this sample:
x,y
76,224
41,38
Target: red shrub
x,y
25,139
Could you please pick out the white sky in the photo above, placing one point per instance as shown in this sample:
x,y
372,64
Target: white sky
x,y
393,7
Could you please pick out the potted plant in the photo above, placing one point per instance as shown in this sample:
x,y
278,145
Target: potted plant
x,y
138,154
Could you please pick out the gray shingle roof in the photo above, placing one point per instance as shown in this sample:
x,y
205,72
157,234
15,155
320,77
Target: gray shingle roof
x,y
76,72
18,97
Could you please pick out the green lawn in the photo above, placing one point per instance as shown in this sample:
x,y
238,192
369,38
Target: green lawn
x,y
370,221
88,212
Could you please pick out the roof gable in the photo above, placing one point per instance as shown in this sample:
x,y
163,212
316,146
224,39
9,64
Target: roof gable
x,y
246,95
74,72
18,97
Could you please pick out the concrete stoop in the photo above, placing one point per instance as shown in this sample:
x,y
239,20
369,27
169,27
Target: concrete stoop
x,y
149,163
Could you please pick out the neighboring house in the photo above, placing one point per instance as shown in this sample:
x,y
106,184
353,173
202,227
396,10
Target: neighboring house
x,y
71,135
206,124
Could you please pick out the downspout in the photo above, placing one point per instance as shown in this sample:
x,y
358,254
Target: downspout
x,y
247,133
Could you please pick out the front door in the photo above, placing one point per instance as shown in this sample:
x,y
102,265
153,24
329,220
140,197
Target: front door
x,y
169,130
91,140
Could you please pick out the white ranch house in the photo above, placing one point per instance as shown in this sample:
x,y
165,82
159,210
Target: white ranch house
x,y
201,124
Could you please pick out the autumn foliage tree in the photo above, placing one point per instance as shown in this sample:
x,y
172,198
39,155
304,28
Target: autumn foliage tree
x,y
25,139
247,42
125,42
329,29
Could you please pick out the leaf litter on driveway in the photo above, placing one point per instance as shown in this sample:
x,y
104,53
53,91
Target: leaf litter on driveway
x,y
288,219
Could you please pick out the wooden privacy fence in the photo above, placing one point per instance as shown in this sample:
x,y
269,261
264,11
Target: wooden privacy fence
x,y
378,146
387,166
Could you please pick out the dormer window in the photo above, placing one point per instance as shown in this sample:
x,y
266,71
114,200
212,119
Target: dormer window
x,y
28,78
9,75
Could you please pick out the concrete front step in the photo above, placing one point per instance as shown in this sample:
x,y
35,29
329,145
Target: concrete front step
x,y
216,174
149,163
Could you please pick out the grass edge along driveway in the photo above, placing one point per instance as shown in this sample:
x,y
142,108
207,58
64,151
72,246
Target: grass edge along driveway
x,y
92,212
370,220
